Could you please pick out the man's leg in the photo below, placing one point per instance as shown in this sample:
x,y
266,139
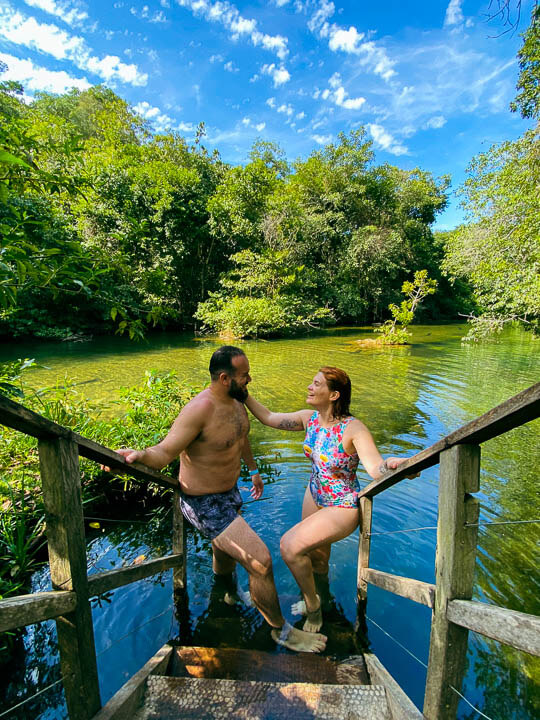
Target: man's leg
x,y
319,529
224,567
243,544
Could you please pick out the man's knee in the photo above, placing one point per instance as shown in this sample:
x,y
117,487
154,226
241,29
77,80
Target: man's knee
x,y
260,565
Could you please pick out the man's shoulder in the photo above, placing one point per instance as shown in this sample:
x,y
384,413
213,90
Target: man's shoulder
x,y
202,404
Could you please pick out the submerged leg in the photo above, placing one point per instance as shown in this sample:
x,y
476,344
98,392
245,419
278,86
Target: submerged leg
x,y
243,544
320,529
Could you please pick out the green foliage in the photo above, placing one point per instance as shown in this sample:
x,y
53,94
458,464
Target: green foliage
x,y
145,414
498,253
265,295
527,100
415,292
113,228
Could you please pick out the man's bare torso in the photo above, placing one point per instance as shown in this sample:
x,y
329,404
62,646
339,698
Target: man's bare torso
x,y
211,462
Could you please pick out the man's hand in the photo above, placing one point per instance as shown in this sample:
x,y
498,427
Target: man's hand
x,y
130,456
258,486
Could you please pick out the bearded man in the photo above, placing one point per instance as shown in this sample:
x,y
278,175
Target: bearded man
x,y
211,437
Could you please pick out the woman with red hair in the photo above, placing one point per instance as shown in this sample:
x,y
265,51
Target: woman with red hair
x,y
335,442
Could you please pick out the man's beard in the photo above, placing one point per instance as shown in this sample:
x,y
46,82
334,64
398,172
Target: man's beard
x,y
237,392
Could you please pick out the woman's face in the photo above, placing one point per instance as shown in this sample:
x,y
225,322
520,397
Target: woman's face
x,y
319,392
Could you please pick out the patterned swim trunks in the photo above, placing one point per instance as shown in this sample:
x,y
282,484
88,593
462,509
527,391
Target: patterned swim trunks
x,y
211,514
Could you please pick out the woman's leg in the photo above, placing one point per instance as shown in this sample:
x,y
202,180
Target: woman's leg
x,y
320,557
319,529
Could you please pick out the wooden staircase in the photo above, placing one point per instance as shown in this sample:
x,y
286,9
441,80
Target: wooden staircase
x,y
223,683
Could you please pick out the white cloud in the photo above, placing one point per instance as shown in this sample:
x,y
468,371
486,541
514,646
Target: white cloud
x,y
246,121
346,40
33,77
165,3
454,14
216,58
436,122
279,75
385,141
321,139
160,120
339,95
287,109
271,102
301,115
228,15
51,40
260,126
186,127
230,67
159,17
71,16
350,41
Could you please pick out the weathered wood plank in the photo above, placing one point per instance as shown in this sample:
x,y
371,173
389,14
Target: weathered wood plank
x,y
522,408
178,543
60,475
111,579
28,609
124,703
520,630
420,592
454,565
101,454
16,416
364,544
400,705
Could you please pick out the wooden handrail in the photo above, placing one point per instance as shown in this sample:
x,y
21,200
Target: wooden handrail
x,y
518,410
520,630
16,416
29,609
99,583
416,590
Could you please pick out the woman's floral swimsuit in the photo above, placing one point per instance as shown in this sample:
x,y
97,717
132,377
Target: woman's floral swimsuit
x,y
333,479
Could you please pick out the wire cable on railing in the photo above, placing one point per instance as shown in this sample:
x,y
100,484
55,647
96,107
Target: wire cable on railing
x,y
39,692
434,527
392,532
501,522
424,665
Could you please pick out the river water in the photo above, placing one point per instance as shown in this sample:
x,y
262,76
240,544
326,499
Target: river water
x,y
409,397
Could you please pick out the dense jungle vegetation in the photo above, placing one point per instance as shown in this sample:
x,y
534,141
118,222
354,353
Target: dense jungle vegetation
x,y
108,227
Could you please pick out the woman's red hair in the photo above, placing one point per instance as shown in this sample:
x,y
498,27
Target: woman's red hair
x,y
338,380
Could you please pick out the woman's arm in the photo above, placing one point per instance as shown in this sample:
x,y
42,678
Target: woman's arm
x,y
369,455
281,421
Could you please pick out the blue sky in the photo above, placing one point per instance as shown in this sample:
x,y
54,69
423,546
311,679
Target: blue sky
x,y
429,80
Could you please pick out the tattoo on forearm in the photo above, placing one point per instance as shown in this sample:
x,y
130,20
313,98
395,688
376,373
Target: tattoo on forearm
x,y
290,425
383,468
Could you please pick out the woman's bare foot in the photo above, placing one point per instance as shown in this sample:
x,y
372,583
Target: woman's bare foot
x,y
299,640
314,620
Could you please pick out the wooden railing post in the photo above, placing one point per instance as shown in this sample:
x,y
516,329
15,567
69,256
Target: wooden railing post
x,y
60,475
454,567
178,543
364,544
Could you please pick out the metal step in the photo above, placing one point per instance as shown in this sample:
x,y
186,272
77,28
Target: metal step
x,y
169,698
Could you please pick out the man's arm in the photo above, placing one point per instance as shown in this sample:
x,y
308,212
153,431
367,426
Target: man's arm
x,y
280,421
247,457
184,430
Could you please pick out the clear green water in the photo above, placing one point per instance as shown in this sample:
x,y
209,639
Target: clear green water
x,y
409,397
